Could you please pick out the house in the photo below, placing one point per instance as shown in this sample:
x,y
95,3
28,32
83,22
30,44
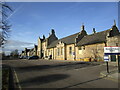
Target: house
x,y
92,45
43,43
79,46
64,49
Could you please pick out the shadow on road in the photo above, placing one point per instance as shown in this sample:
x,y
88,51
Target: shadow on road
x,y
43,79
66,66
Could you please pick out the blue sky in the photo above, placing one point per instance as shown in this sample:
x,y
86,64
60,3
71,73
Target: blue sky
x,y
33,19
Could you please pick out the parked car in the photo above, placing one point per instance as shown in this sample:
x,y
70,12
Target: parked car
x,y
23,57
33,57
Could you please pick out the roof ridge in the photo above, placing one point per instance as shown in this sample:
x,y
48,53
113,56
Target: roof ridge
x,y
69,36
98,32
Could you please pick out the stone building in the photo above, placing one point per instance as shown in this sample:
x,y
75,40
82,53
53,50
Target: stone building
x,y
33,51
43,43
29,52
92,45
64,49
79,45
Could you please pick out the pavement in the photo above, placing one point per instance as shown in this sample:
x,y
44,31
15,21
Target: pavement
x,y
113,74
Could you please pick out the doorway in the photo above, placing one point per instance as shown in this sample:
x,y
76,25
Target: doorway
x,y
119,58
113,58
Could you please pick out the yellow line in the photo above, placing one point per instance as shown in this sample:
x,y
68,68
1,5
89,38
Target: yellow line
x,y
17,80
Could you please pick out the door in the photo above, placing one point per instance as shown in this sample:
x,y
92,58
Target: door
x,y
119,58
113,58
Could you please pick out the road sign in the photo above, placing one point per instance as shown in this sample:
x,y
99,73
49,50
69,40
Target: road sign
x,y
112,50
106,58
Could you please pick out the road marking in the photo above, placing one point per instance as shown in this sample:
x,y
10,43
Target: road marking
x,y
17,80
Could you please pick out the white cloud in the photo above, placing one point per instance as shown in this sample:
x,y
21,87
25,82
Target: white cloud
x,y
14,44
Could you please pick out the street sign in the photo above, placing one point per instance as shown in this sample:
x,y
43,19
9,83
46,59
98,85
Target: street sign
x,y
112,50
106,58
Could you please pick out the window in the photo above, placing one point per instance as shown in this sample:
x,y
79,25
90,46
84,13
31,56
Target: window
x,y
51,52
61,50
70,50
58,51
48,52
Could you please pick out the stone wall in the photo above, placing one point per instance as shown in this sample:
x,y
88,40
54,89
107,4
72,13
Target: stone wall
x,y
39,47
90,51
70,55
113,41
59,51
44,49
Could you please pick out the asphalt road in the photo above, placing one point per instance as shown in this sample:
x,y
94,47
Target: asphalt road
x,y
59,74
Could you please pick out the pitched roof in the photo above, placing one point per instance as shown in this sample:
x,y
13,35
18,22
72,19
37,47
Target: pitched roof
x,y
98,37
67,40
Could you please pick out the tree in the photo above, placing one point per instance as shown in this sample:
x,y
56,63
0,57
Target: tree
x,y
5,11
14,54
3,55
96,53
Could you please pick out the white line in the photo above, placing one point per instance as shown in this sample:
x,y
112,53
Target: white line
x,y
17,80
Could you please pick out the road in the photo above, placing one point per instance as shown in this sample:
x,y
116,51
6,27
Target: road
x,y
59,74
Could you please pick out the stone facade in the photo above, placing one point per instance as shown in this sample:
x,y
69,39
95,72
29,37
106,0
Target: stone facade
x,y
78,46
93,51
43,43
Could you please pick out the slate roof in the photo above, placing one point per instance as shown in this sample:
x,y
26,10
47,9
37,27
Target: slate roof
x,y
98,37
67,40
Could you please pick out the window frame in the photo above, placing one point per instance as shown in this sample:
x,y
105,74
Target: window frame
x,y
70,50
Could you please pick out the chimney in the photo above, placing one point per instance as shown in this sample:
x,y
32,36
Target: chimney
x,y
82,27
52,31
94,31
43,36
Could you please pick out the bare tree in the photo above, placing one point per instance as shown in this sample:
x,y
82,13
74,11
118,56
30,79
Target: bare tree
x,y
14,54
96,53
5,12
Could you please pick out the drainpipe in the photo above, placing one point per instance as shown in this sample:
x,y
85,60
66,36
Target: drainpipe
x,y
74,53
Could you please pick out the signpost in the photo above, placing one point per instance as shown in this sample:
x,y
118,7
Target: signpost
x,y
111,51
106,58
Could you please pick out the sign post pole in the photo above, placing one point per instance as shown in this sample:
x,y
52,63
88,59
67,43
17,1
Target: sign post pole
x,y
118,64
107,67
106,58
113,51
